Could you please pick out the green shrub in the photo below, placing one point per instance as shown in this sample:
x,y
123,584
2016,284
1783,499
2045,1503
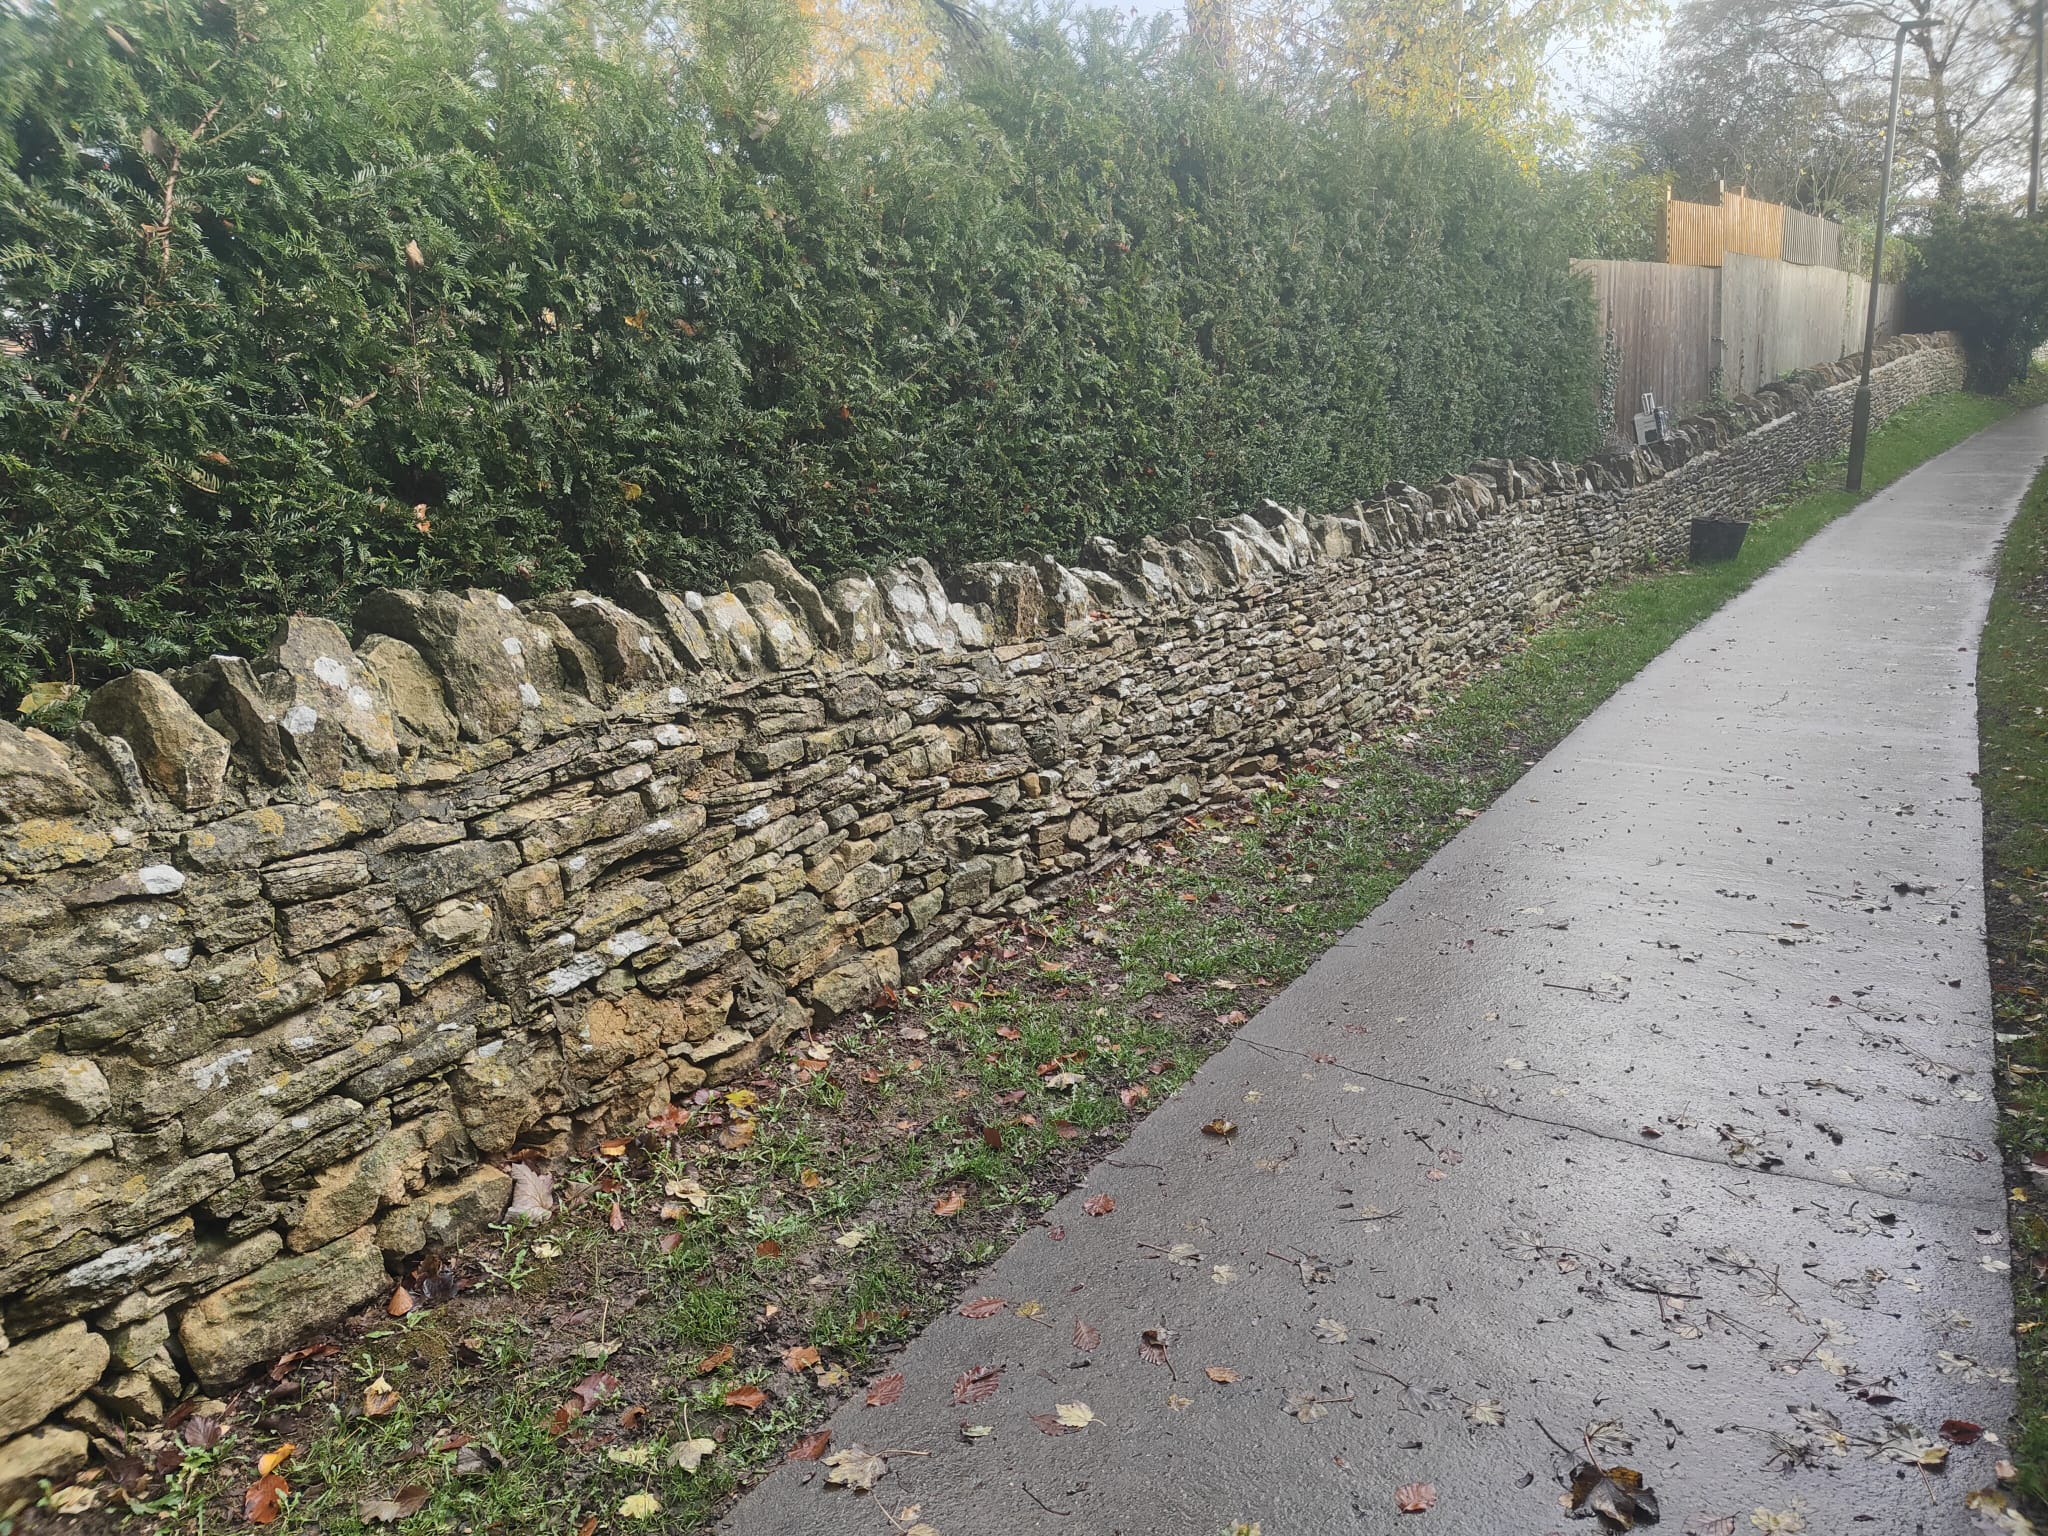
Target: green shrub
x,y
301,299
1985,276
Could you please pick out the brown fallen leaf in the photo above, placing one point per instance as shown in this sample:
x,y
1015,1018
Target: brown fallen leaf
x,y
856,1467
262,1500
811,1446
1222,1375
400,1302
1615,1494
588,1527
767,1248
950,1203
1961,1431
800,1357
617,1219
380,1399
1414,1498
810,1178
634,1417
977,1385
886,1390
1152,1344
1085,1336
722,1356
1220,1127
1098,1205
1049,1423
983,1306
594,1389
402,1505
747,1397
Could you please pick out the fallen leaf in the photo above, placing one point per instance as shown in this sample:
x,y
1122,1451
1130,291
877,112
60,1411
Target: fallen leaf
x,y
976,1431
1220,1127
1615,1494
1710,1525
270,1461
1330,1331
474,1460
1222,1274
800,1357
1074,1415
810,1178
1954,1431
977,1385
1098,1205
1487,1410
950,1204
1152,1344
400,1302
811,1446
629,1455
533,1193
1085,1336
749,1398
613,1147
1048,1424
983,1306
402,1505
261,1500
1414,1498
695,1195
1306,1406
380,1399
722,1356
617,1218
688,1455
1222,1375
639,1506
850,1240
767,1248
1030,1308
1187,1255
856,1467
588,1527
886,1390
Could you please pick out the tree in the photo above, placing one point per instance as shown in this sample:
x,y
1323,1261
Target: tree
x,y
1787,98
1984,275
1482,63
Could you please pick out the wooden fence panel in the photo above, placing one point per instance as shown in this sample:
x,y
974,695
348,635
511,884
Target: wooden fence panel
x,y
1662,319
1681,331
1811,241
1777,317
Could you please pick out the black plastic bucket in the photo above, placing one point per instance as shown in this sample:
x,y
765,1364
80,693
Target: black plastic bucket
x,y
1717,538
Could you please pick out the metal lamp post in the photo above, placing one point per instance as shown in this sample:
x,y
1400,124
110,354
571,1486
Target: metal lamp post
x,y
1859,426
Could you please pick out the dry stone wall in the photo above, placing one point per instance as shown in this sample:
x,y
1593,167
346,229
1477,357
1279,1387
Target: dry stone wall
x,y
294,951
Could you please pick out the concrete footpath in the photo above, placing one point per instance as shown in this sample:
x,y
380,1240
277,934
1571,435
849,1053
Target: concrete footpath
x,y
1654,1114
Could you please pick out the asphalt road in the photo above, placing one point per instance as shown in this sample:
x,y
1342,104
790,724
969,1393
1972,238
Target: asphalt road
x,y
1653,1118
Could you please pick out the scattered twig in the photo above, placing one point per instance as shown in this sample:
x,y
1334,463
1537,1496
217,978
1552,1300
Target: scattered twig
x,y
1062,1513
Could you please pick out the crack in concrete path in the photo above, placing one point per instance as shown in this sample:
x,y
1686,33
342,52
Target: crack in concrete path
x,y
1735,920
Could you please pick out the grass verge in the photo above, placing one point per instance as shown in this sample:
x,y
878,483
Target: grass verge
x,y
711,1288
2012,691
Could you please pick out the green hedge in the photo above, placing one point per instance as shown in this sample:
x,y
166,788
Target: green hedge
x,y
454,296
1984,275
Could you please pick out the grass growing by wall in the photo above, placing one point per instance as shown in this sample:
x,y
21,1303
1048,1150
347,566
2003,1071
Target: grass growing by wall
x,y
2012,692
838,1202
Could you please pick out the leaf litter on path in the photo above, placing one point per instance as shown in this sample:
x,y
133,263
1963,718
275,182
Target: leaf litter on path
x,y
1616,1495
